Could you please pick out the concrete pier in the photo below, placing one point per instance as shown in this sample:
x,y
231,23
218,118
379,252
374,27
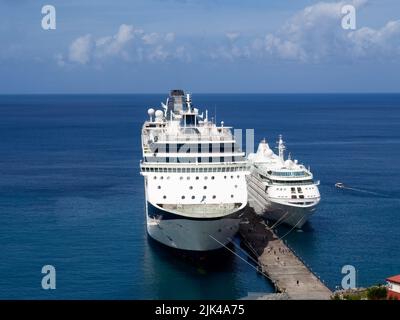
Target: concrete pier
x,y
286,271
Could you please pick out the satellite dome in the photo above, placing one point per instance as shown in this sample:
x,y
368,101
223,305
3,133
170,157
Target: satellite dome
x,y
288,163
159,114
150,112
268,152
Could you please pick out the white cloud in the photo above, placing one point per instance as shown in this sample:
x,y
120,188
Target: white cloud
x,y
315,35
232,36
170,37
312,35
384,42
128,43
151,38
115,45
80,49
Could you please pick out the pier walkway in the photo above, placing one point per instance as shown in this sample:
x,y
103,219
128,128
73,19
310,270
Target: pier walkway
x,y
286,271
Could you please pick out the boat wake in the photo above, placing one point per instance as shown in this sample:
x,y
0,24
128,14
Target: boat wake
x,y
365,191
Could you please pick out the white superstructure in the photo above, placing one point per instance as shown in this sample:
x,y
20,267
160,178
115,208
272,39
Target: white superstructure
x,y
194,176
281,190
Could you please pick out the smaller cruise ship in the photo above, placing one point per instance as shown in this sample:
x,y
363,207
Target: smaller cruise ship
x,y
281,190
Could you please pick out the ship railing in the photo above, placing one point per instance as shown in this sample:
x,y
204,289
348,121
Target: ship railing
x,y
195,137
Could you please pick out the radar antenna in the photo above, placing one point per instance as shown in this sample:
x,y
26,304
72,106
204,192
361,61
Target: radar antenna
x,y
281,148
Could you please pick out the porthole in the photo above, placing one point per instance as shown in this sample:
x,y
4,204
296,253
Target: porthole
x,y
235,185
205,178
155,177
231,195
181,178
224,177
188,178
161,177
197,178
193,197
231,177
191,187
214,197
205,187
212,178
183,197
164,197
159,187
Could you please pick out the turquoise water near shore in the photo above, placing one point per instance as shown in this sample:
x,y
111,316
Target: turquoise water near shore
x,y
71,194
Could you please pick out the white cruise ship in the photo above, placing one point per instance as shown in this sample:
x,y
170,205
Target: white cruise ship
x,y
194,177
281,190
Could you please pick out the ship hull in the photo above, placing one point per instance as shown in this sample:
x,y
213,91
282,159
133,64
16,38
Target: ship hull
x,y
191,234
294,216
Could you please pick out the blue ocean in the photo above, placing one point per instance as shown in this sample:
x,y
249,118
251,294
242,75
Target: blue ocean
x,y
71,194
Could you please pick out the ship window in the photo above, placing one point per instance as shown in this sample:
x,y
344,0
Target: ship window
x,y
235,185
205,187
294,197
188,178
231,195
191,187
164,197
155,177
212,178
205,178
162,177
183,197
197,178
231,177
214,197
181,178
238,176
301,197
159,187
224,177
168,178
193,197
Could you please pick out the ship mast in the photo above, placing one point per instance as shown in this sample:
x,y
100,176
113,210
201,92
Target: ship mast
x,y
281,148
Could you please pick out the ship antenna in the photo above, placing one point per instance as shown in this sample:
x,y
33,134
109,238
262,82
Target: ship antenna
x,y
281,148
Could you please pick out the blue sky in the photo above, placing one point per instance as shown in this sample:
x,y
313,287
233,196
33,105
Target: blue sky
x,y
144,46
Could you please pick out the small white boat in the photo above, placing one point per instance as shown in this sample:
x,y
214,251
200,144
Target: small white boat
x,y
339,185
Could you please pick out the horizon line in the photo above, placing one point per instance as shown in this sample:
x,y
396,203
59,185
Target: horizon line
x,y
197,93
